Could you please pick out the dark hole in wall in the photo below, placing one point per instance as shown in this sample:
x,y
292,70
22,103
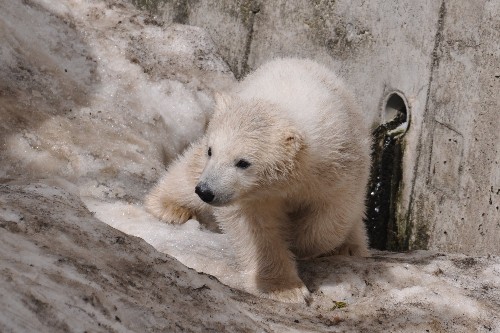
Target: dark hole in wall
x,y
386,174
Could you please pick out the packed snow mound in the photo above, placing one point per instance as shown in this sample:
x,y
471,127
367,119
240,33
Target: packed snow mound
x,y
399,292
100,95
96,99
63,270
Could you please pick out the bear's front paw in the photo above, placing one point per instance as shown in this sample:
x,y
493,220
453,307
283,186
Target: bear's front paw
x,y
175,214
167,211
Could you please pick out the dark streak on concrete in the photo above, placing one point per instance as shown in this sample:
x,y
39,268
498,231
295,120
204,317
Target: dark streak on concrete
x,y
434,64
248,43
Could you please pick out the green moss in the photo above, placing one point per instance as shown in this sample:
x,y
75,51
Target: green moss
x,y
248,8
421,236
421,230
338,305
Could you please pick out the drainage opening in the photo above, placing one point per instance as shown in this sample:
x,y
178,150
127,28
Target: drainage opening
x,y
386,173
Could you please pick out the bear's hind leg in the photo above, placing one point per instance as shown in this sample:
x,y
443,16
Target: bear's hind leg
x,y
356,243
328,229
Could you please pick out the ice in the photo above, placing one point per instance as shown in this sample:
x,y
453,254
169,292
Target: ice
x,y
96,99
192,244
9,216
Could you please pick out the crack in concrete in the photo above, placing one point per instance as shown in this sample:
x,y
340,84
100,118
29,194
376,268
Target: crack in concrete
x,y
245,68
435,58
181,12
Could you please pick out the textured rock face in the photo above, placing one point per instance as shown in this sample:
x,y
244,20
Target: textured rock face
x,y
63,270
95,99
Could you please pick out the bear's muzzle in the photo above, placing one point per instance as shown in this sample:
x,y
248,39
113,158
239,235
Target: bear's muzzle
x,y
204,192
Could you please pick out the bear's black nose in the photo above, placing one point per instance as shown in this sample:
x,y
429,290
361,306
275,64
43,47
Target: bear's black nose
x,y
204,192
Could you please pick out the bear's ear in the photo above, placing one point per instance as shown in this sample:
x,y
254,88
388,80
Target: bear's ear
x,y
294,141
222,101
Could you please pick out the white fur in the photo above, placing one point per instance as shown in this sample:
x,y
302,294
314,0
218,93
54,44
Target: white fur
x,y
303,194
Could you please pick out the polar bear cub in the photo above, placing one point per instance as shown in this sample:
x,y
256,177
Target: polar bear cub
x,y
283,168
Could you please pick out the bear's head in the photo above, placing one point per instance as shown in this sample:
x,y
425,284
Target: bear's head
x,y
251,150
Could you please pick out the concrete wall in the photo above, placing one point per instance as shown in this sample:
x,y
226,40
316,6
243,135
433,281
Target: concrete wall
x,y
456,190
443,57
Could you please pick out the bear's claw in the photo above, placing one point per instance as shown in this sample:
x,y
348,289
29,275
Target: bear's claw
x,y
293,295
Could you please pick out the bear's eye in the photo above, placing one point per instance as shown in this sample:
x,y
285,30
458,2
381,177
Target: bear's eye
x,y
242,164
209,151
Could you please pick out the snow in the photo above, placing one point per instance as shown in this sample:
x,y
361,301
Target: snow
x,y
192,244
103,102
96,98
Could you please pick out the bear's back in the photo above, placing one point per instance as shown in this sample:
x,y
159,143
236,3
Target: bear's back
x,y
296,85
313,98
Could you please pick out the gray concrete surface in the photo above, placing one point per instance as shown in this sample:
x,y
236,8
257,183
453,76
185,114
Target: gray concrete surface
x,y
444,57
456,189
